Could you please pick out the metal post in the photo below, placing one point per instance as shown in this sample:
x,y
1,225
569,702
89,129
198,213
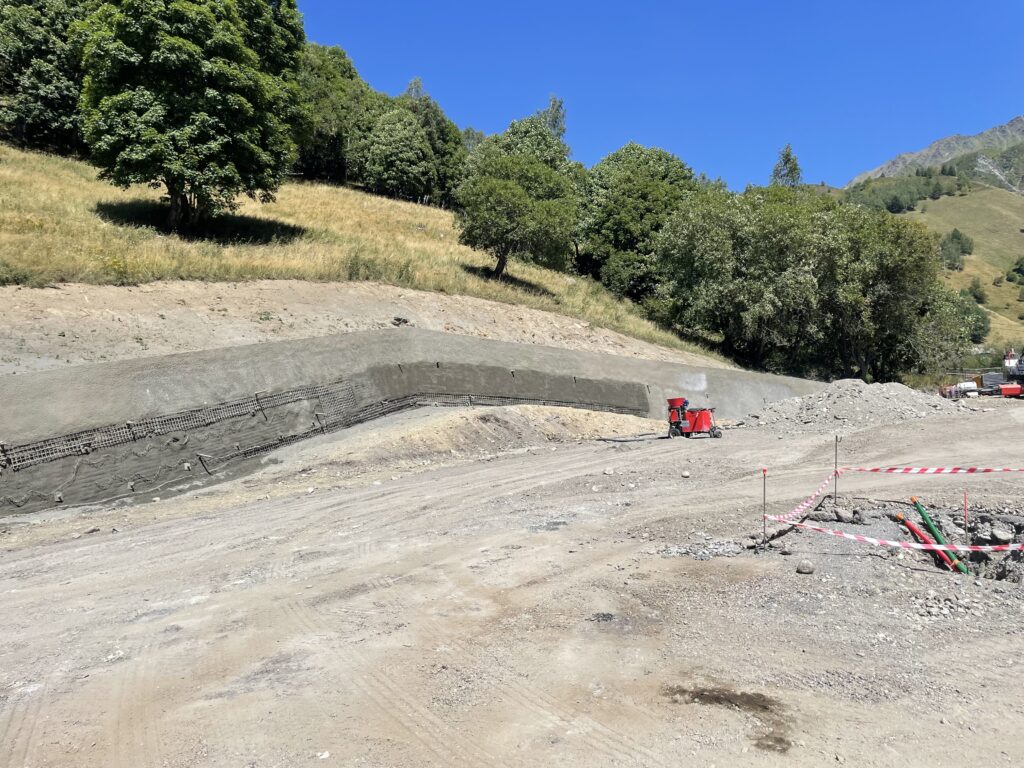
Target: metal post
x,y
260,405
203,462
835,474
967,531
764,506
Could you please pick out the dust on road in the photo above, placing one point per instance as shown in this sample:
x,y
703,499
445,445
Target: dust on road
x,y
439,610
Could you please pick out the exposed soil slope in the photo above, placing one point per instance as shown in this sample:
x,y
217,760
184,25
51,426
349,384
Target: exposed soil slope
x,y
71,324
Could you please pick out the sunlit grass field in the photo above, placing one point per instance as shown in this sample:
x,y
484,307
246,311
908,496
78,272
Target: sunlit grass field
x,y
59,223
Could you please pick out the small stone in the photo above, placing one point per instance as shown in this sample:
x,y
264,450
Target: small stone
x,y
609,471
92,530
844,516
1001,536
805,567
686,473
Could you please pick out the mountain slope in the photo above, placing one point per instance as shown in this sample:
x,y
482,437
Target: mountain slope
x,y
943,150
994,218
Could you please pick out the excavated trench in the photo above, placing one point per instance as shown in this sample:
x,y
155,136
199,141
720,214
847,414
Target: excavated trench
x,y
991,521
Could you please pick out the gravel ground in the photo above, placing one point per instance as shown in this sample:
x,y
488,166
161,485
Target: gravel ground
x,y
532,599
849,405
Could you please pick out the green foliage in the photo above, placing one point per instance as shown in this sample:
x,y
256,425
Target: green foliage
x,y
345,115
273,30
540,136
965,243
516,206
445,140
978,322
976,291
632,275
952,249
950,255
799,283
472,138
520,194
629,195
400,162
787,171
173,95
40,74
1020,295
897,194
341,112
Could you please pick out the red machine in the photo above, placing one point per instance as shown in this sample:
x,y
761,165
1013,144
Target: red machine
x,y
686,421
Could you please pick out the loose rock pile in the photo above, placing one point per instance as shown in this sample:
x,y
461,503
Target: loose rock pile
x,y
849,404
703,550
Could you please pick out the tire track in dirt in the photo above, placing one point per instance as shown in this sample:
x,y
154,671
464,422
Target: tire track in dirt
x,y
18,732
595,734
136,734
393,704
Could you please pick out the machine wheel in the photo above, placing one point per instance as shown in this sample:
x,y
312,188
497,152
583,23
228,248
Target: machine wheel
x,y
716,432
687,434
672,432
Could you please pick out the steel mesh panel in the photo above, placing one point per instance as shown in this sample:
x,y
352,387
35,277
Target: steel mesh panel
x,y
337,411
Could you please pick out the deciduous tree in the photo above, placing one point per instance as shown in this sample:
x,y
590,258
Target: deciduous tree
x,y
400,162
173,96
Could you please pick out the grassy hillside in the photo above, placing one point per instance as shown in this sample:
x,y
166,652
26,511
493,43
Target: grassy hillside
x,y
994,218
58,223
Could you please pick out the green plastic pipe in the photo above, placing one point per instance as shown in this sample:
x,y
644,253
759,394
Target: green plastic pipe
x,y
930,525
923,538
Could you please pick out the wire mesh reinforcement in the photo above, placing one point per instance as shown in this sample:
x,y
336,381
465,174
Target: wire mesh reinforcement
x,y
337,411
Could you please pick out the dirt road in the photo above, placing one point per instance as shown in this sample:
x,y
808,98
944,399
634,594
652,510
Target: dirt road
x,y
524,609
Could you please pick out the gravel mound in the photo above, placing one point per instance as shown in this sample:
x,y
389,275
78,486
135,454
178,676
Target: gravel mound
x,y
848,405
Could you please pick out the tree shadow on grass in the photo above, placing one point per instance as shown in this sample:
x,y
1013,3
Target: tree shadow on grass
x,y
225,229
486,273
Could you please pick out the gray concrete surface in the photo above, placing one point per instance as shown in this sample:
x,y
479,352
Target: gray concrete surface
x,y
50,403
102,432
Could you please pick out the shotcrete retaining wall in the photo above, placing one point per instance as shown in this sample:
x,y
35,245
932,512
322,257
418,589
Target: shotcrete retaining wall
x,y
106,431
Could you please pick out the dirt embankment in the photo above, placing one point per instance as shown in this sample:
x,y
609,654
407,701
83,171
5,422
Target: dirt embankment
x,y
71,324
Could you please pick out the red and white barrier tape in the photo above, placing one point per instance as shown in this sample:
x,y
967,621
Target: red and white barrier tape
x,y
807,503
798,511
929,470
910,544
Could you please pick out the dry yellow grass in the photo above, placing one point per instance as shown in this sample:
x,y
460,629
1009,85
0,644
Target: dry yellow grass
x,y
59,223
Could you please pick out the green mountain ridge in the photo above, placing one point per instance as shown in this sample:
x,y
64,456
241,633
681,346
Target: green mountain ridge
x,y
996,139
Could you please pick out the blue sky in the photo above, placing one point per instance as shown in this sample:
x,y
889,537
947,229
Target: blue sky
x,y
722,84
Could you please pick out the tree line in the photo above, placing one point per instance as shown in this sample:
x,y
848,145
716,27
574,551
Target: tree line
x,y
212,99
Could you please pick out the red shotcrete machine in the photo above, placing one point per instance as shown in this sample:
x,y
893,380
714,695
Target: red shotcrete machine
x,y
686,421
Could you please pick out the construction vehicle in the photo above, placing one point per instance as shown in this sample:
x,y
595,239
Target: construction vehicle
x,y
686,421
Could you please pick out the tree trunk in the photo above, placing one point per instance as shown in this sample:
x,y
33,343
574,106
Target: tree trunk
x,y
499,268
181,209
